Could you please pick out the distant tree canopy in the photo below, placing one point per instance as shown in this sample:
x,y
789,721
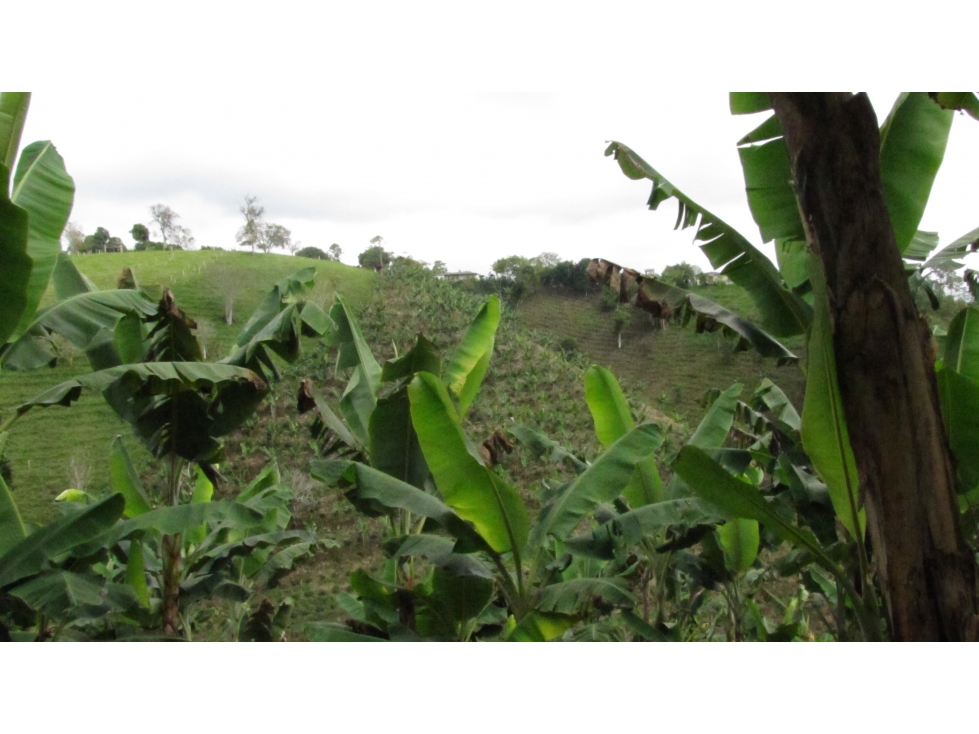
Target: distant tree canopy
x,y
521,276
140,233
313,252
682,275
74,237
566,274
100,241
250,234
335,252
375,257
274,236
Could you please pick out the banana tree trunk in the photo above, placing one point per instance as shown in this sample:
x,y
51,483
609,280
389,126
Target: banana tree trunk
x,y
171,584
885,368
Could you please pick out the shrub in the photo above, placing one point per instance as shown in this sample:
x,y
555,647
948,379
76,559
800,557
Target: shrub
x,y
313,252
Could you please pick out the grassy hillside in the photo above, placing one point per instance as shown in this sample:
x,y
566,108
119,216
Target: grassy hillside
x,y
672,368
57,448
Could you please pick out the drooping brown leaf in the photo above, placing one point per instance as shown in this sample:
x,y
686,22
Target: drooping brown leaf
x,y
305,401
127,281
663,301
493,448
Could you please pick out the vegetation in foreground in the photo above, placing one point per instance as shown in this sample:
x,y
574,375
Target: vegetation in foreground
x,y
616,548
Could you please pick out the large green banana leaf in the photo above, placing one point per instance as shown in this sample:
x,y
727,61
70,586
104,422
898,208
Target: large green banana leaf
x,y
631,527
12,529
603,481
471,489
125,480
82,320
951,255
714,427
277,325
824,432
912,145
959,397
13,114
466,368
68,280
174,407
43,188
739,539
963,101
394,447
958,389
15,263
28,556
369,485
737,499
613,420
540,627
783,312
962,344
360,396
577,596
65,596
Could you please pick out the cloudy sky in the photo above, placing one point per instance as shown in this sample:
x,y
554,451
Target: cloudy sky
x,y
321,117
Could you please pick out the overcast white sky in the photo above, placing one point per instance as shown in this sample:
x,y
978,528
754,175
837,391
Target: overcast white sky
x,y
321,122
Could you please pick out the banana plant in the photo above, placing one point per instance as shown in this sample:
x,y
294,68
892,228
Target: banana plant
x,y
491,571
35,207
180,407
376,424
912,144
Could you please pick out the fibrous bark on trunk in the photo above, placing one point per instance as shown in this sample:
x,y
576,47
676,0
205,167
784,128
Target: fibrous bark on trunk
x,y
885,367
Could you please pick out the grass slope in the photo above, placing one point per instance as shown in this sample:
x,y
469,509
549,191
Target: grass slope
x,y
671,369
55,448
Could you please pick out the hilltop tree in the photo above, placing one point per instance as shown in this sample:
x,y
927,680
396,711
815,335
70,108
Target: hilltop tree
x,y
101,238
165,220
183,238
335,252
74,237
375,257
140,233
274,236
250,234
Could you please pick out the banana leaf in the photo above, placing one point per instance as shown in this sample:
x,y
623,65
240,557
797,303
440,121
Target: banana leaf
x,y
579,596
783,312
824,432
629,528
29,555
603,481
613,420
82,320
473,491
17,265
912,145
13,114
468,364
43,188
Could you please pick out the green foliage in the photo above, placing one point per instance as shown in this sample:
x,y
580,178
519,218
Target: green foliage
x,y
313,253
375,257
681,275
